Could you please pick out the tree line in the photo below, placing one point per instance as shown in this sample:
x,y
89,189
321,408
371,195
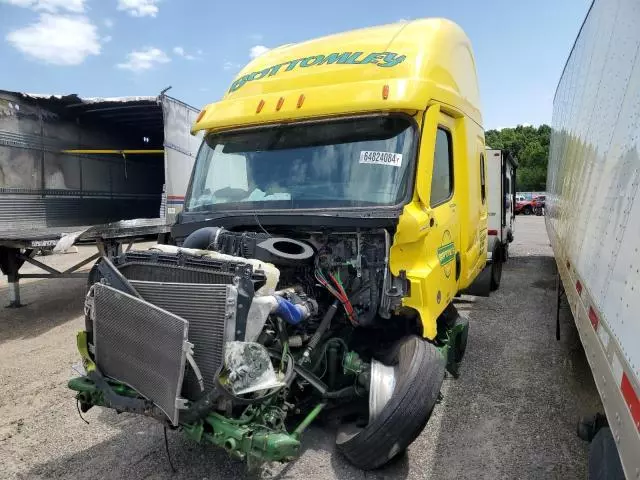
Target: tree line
x,y
530,146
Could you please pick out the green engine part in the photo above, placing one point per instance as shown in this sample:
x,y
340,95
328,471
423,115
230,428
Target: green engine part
x,y
245,438
454,344
352,364
249,441
89,395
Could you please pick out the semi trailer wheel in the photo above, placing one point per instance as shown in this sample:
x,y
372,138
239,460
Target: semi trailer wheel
x,y
604,462
400,404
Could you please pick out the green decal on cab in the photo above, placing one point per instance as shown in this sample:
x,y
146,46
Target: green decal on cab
x,y
380,59
446,254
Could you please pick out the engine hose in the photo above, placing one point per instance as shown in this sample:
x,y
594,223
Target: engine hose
x,y
342,393
329,342
324,325
332,360
203,238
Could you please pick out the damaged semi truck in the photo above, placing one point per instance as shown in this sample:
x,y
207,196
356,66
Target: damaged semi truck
x,y
336,207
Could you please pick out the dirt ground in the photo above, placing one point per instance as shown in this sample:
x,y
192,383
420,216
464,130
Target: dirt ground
x,y
511,414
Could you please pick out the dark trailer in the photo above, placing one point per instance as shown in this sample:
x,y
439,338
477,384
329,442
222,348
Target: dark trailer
x,y
96,170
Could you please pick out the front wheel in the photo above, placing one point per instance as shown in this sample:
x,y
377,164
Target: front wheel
x,y
527,211
419,372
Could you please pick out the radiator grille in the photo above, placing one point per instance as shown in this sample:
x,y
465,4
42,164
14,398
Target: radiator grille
x,y
141,345
168,267
210,311
169,273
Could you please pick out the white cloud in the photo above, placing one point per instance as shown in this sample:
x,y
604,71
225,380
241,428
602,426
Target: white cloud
x,y
258,50
141,60
50,6
227,65
57,39
179,51
108,23
107,39
139,8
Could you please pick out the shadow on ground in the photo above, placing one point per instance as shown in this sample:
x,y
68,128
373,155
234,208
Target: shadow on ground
x,y
513,411
46,304
137,451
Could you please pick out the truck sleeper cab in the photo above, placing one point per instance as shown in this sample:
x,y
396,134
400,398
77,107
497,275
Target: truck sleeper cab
x,y
338,203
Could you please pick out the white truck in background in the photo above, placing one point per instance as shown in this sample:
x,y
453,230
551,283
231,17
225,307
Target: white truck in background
x,y
501,180
593,221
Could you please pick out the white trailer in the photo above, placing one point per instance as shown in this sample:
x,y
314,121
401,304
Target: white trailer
x,y
593,218
501,181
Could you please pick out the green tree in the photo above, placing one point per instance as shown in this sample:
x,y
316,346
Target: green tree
x,y
530,146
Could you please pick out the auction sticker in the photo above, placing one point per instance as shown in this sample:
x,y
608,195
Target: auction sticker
x,y
381,158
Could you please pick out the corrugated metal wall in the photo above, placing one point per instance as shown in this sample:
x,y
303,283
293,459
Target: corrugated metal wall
x,y
42,187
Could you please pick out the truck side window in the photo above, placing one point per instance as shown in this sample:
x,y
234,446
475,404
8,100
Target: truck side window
x,y
442,179
483,183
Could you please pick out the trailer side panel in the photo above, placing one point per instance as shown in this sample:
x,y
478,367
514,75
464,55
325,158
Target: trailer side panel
x,y
180,149
593,216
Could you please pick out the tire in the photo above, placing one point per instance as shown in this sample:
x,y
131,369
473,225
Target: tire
x,y
496,275
527,210
496,269
604,462
420,372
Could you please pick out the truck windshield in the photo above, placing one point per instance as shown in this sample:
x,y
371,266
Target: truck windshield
x,y
355,162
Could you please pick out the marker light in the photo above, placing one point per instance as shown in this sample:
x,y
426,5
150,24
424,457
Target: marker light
x,y
385,92
280,103
300,100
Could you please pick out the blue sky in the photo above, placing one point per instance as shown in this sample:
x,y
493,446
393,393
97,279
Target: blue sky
x,y
139,47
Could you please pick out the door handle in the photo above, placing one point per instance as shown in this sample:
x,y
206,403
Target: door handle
x,y
457,266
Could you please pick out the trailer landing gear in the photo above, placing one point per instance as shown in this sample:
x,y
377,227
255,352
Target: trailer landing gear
x,y
12,259
10,263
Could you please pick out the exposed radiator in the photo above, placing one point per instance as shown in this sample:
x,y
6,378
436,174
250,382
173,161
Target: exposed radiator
x,y
166,267
141,345
211,313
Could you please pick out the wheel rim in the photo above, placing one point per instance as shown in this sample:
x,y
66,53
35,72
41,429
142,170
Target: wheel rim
x,y
383,383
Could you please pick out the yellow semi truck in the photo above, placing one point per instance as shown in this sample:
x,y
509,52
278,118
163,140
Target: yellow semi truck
x,y
337,205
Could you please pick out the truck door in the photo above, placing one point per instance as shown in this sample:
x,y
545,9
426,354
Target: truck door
x,y
444,237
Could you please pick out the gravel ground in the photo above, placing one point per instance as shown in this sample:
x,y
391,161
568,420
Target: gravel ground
x,y
511,414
